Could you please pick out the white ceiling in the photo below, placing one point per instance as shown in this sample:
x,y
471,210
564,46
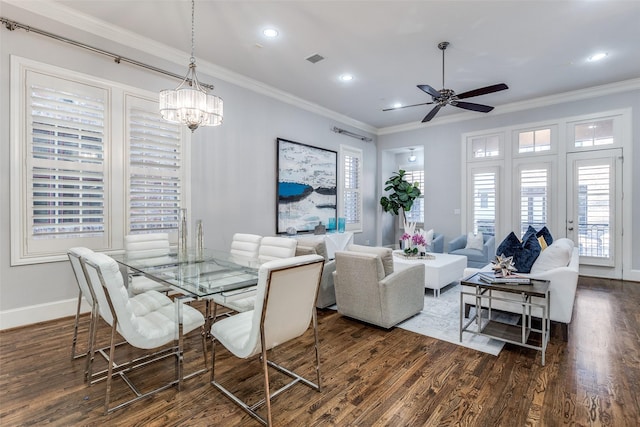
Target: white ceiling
x,y
537,48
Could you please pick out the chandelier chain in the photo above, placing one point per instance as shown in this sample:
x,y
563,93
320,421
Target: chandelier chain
x,y
193,31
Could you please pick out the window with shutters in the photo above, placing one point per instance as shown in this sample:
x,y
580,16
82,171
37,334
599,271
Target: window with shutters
x,y
484,186
351,209
416,214
534,197
68,164
155,169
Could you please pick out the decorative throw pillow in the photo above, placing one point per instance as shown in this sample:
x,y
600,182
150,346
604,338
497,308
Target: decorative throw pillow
x,y
524,253
474,241
528,253
530,231
428,237
544,237
509,246
558,254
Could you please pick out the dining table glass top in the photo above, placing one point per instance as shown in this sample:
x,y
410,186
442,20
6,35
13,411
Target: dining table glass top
x,y
197,273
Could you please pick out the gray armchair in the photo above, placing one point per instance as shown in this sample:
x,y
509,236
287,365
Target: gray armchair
x,y
368,289
315,246
475,258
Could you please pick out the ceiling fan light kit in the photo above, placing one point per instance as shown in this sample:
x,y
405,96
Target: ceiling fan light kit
x,y
443,97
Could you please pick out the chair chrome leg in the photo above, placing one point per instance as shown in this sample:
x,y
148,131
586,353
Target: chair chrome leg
x,y
317,347
265,368
112,351
75,329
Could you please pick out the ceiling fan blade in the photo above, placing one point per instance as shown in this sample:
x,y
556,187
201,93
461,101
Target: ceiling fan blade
x,y
406,106
483,91
471,106
431,91
431,114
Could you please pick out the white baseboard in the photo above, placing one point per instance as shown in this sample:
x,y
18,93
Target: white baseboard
x,y
632,275
40,313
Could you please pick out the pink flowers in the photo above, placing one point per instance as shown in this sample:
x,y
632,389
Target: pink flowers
x,y
417,239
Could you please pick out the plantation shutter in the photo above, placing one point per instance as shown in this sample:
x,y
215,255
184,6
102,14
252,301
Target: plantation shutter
x,y
484,202
352,188
534,184
155,169
66,164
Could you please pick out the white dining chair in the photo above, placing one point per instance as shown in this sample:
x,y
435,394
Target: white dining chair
x,y
270,248
147,321
284,309
146,245
84,291
276,248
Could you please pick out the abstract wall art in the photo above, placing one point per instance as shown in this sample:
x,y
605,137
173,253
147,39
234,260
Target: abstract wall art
x,y
306,187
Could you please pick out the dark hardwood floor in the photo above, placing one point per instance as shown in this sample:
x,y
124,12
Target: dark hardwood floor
x,y
371,377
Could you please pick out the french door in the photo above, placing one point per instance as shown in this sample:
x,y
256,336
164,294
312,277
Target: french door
x,y
594,210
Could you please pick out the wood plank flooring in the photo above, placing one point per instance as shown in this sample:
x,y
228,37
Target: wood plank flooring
x,y
371,377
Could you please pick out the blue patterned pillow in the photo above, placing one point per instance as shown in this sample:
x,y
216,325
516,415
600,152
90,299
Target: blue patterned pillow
x,y
509,246
524,253
528,253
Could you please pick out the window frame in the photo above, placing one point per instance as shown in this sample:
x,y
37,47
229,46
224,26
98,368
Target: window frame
x,y
115,153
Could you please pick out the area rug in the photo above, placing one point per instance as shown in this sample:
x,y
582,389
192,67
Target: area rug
x,y
440,319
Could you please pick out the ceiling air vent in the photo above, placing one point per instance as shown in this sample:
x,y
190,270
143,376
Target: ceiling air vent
x,y
315,58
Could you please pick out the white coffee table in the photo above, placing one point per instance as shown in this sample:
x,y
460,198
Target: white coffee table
x,y
438,272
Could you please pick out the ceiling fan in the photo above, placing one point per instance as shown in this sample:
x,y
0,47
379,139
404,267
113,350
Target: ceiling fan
x,y
445,96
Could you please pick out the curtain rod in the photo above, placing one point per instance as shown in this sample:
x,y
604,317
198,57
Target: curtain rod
x,y
12,25
351,134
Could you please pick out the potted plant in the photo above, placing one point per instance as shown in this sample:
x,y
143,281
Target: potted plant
x,y
402,195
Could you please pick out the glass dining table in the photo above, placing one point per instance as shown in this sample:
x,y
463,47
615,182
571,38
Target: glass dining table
x,y
194,275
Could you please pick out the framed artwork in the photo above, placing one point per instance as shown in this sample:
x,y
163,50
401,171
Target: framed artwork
x,y
306,187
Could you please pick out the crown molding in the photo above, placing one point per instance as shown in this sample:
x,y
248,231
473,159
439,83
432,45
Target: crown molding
x,y
89,24
51,10
559,98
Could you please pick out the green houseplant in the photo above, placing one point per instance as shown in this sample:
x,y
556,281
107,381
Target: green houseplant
x,y
402,194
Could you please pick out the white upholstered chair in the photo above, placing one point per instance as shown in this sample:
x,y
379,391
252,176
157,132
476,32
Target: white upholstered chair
x,y
270,248
284,308
146,321
244,251
245,245
148,245
276,248
84,290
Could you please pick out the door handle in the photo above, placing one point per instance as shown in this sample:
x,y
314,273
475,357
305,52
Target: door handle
x,y
570,228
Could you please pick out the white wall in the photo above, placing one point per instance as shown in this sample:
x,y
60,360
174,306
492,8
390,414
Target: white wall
x,y
233,166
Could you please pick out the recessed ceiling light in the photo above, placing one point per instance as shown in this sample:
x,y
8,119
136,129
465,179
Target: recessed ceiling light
x,y
597,56
346,77
397,105
270,32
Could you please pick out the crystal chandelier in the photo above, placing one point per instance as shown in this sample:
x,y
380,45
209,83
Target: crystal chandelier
x,y
190,103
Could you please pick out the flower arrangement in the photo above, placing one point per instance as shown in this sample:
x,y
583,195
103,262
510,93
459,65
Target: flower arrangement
x,y
415,243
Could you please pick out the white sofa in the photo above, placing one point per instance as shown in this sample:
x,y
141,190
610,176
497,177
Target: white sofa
x,y
559,264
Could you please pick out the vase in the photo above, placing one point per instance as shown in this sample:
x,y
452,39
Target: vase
x,y
182,232
199,239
